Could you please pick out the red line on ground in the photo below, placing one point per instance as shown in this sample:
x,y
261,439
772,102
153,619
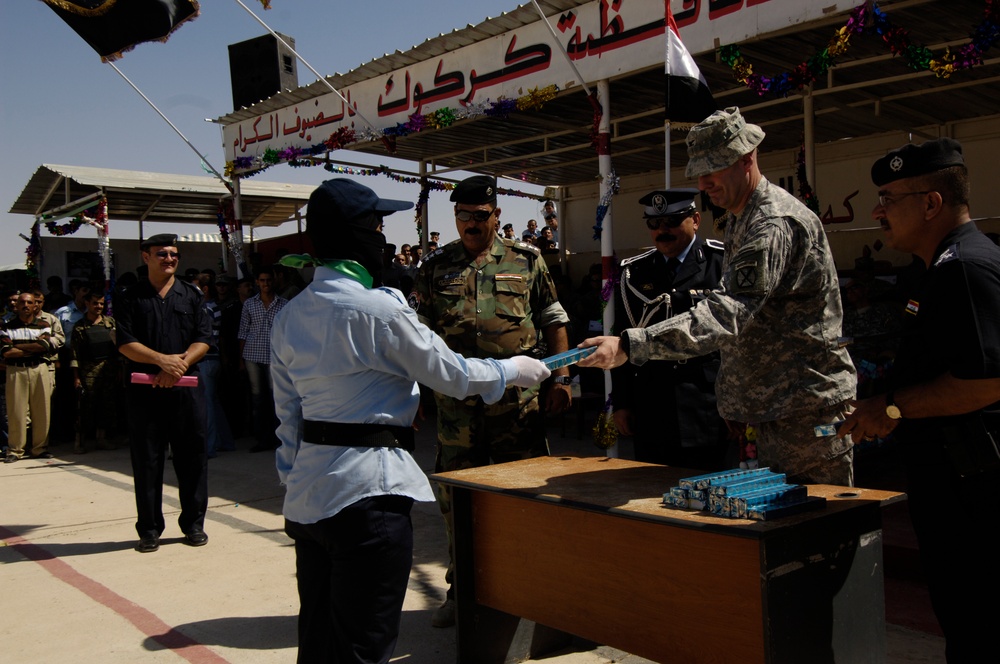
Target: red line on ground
x,y
143,619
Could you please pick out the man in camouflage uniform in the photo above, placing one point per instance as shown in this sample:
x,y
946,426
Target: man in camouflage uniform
x,y
488,297
97,370
668,407
775,319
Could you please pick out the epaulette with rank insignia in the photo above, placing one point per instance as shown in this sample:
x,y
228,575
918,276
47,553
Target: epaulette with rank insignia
x,y
714,244
433,254
948,255
196,289
525,246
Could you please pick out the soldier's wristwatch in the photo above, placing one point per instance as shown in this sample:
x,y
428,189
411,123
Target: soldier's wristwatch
x,y
562,380
891,409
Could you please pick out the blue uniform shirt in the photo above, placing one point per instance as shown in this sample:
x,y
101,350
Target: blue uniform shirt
x,y
341,352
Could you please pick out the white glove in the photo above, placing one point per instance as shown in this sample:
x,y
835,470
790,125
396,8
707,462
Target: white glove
x,y
523,371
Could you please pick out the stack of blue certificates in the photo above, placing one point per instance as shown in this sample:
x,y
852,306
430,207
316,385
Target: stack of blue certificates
x,y
757,494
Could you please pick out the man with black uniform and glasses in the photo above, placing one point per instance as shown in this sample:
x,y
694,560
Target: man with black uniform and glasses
x,y
163,331
944,405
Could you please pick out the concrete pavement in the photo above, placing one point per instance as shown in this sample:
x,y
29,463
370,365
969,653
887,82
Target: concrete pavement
x,y
73,589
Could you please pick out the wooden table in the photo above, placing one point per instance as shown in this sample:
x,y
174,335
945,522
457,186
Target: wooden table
x,y
584,546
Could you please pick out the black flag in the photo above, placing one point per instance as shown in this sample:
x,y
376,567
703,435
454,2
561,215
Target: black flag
x,y
112,27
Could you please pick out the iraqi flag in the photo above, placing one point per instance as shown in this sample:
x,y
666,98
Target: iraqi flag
x,y
688,97
112,27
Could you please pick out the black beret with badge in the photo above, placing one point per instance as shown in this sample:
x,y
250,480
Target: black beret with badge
x,y
477,190
159,240
912,160
669,202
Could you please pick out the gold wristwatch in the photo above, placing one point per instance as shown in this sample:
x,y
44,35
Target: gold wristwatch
x,y
891,409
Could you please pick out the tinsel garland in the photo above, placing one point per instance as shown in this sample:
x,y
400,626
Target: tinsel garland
x,y
34,254
605,431
614,183
232,242
535,99
610,286
96,216
868,17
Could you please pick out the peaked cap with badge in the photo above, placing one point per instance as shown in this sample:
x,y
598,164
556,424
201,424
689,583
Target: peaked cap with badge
x,y
669,202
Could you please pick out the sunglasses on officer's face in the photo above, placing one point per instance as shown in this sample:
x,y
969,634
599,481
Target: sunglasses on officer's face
x,y
479,216
673,221
167,254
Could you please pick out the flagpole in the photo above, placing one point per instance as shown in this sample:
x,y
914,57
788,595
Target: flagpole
x,y
172,126
666,152
555,38
303,61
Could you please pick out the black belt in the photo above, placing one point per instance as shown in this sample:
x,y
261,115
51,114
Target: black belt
x,y
25,363
357,435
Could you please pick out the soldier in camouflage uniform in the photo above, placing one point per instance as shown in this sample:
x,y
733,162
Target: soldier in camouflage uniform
x,y
776,318
488,297
97,370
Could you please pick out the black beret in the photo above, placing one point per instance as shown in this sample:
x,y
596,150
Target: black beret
x,y
668,202
913,160
510,226
159,240
477,190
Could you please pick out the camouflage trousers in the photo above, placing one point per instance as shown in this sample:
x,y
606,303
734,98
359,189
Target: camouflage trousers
x,y
98,407
472,433
792,446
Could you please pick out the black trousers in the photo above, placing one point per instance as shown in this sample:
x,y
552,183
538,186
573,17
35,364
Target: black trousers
x,y
956,522
352,572
158,417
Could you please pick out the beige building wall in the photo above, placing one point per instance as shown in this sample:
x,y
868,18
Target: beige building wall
x,y
842,168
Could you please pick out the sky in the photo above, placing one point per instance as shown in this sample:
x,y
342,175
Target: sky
x,y
60,104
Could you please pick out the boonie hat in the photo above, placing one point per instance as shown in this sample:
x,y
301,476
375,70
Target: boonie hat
x,y
719,140
913,160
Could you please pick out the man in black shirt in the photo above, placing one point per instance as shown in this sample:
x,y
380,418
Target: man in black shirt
x,y
163,331
944,407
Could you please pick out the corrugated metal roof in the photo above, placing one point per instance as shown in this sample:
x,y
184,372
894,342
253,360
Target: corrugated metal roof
x,y
211,238
159,197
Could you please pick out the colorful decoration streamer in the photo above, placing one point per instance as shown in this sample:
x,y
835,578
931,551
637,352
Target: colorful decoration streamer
x,y
614,183
605,431
868,17
534,100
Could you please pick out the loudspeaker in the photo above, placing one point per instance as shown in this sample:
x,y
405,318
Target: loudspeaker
x,y
261,67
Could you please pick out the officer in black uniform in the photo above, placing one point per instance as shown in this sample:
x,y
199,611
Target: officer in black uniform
x,y
669,407
163,331
944,408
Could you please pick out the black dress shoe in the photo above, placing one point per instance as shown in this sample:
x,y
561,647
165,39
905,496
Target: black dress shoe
x,y
43,455
196,538
148,545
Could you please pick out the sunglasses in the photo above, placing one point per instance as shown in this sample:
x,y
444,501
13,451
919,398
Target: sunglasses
x,y
167,254
653,223
479,216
